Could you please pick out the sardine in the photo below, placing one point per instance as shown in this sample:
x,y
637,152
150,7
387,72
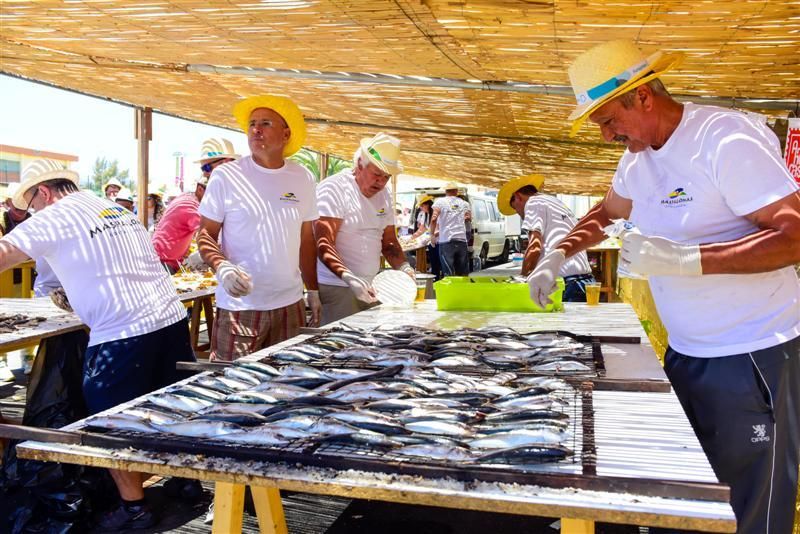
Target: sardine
x,y
199,428
260,367
437,426
259,436
435,452
116,422
172,401
526,454
254,397
243,375
518,438
455,361
191,390
562,367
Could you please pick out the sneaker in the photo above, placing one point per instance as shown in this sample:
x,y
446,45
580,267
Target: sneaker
x,y
127,517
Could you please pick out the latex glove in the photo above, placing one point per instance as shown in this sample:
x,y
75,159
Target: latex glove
x,y
59,298
650,255
409,270
234,279
542,281
195,262
362,289
312,297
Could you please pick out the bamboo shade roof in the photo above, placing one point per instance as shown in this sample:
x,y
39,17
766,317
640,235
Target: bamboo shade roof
x,y
142,52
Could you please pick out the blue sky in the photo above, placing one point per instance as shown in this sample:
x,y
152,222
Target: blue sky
x,y
44,118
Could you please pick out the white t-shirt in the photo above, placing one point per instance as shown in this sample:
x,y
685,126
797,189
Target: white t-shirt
x,y
717,167
46,280
551,218
104,259
262,212
451,218
360,237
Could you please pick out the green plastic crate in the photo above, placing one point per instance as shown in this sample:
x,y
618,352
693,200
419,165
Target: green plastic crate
x,y
484,293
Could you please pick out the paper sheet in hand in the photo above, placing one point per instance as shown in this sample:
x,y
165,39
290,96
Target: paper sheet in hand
x,y
395,288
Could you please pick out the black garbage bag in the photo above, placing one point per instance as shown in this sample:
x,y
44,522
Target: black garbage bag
x,y
50,497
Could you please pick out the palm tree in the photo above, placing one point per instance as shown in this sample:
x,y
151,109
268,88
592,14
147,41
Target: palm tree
x,y
310,160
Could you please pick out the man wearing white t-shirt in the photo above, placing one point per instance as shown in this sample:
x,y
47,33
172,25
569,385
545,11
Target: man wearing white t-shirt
x,y
547,221
356,226
111,274
261,206
450,215
719,216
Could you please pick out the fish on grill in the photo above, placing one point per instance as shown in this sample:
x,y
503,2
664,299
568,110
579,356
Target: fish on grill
x,y
526,454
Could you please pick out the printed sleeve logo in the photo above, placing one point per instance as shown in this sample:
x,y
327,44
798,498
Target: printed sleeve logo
x,y
676,198
289,197
759,433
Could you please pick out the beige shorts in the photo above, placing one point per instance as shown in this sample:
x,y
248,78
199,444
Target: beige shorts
x,y
239,333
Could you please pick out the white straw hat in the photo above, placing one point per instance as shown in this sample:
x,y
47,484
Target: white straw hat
x,y
609,69
39,171
217,148
383,151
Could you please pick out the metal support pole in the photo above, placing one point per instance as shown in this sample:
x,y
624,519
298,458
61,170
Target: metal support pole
x,y
143,132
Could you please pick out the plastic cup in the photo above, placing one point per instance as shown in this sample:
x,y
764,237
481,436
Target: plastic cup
x,y
592,293
422,286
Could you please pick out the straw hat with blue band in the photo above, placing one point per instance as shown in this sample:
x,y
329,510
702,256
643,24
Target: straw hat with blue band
x,y
40,171
512,186
610,69
217,148
283,107
383,151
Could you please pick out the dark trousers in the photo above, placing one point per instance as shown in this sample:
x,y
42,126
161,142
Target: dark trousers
x,y
454,258
745,410
575,287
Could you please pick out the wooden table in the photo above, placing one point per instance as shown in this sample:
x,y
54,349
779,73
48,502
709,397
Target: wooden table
x,y
60,322
638,435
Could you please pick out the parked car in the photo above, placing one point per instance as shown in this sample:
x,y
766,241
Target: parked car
x,y
489,238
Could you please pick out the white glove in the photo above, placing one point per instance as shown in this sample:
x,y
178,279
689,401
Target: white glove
x,y
542,281
234,279
194,261
409,270
361,288
59,298
649,255
312,297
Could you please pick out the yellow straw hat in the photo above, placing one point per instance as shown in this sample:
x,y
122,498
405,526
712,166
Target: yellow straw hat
x,y
112,181
283,107
383,151
217,148
41,170
608,70
512,186
424,199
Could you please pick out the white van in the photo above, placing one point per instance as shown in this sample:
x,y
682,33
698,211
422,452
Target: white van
x,y
489,238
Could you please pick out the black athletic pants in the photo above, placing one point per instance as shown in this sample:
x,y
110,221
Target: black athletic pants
x,y
745,410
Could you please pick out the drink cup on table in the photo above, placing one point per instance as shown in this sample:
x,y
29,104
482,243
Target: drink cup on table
x,y
593,293
422,286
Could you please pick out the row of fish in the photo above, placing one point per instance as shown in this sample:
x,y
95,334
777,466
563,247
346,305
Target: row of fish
x,y
404,411
487,349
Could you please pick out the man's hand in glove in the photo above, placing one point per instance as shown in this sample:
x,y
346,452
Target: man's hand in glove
x,y
195,262
650,255
362,289
234,279
409,270
542,281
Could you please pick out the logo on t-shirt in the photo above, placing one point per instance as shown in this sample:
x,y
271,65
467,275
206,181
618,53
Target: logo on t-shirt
x,y
676,198
117,212
381,212
289,197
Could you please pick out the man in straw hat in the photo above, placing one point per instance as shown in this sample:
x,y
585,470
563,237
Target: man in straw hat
x,y
103,258
719,216
262,206
125,199
547,221
112,188
181,219
355,227
450,215
10,216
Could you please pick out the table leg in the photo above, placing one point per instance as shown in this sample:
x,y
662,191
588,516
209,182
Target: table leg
x,y
208,311
269,510
228,508
576,526
194,324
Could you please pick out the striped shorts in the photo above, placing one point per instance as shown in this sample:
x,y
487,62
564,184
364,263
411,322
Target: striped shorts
x,y
239,333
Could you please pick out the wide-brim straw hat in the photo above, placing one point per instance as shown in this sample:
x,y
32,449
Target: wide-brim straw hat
x,y
608,70
424,199
40,171
451,185
512,186
283,107
125,195
383,151
217,148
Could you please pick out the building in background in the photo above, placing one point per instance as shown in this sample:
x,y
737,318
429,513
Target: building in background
x,y
14,159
